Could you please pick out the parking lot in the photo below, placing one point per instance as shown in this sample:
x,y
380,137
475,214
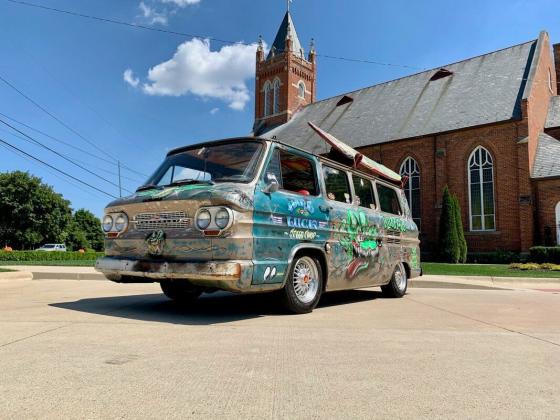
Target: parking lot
x,y
96,349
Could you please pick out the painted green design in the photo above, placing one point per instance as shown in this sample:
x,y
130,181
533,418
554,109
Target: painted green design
x,y
168,191
394,223
414,258
359,240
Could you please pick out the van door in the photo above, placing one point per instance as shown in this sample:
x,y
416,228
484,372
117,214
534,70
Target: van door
x,y
288,217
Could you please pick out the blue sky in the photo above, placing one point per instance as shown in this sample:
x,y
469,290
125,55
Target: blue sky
x,y
75,68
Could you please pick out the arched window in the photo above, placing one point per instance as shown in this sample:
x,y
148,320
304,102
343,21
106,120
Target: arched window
x,y
410,169
481,190
276,96
301,90
267,98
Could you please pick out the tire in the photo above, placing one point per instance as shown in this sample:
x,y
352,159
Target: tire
x,y
180,291
304,285
398,284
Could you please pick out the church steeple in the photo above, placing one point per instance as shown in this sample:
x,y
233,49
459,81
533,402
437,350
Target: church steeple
x,y
285,79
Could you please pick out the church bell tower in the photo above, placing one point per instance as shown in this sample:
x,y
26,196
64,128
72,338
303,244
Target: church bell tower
x,y
285,78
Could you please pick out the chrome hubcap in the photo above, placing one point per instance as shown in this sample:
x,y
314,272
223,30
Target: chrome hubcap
x,y
400,277
306,280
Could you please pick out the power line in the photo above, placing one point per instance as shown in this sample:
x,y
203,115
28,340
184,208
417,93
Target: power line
x,y
189,35
55,117
67,144
56,169
38,143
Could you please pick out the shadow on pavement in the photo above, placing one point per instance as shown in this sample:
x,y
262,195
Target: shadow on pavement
x,y
216,308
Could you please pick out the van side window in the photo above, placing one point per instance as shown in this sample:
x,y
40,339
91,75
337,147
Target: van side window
x,y
336,183
388,200
294,172
364,192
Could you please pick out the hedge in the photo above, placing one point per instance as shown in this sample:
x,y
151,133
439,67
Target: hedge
x,y
545,254
495,257
49,256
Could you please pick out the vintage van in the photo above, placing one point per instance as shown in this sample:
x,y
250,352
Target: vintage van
x,y
255,215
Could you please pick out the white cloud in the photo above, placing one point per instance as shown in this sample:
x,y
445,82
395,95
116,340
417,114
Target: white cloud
x,y
129,78
214,111
195,69
151,15
181,3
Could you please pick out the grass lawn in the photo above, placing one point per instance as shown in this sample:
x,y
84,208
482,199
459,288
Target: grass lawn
x,y
4,270
493,270
80,263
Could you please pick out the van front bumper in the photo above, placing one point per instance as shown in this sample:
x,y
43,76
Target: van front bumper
x,y
227,275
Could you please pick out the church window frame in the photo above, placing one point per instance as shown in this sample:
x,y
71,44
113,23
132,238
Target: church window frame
x,y
276,96
412,189
481,186
301,89
267,98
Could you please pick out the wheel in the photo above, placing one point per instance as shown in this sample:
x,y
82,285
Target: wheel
x,y
398,284
180,291
304,285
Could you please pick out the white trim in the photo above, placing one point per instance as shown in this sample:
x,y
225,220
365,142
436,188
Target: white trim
x,y
480,174
558,223
276,95
301,83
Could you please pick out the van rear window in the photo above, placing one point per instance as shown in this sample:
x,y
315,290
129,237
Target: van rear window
x,y
388,200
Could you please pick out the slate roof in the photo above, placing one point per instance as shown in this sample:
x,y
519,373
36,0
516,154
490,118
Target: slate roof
x,y
481,90
280,40
553,118
547,159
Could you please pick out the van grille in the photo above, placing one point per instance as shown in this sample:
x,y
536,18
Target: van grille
x,y
166,220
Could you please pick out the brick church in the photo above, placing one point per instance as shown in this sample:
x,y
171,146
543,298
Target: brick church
x,y
488,127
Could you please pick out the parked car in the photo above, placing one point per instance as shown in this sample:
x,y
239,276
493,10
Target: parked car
x,y
52,247
256,215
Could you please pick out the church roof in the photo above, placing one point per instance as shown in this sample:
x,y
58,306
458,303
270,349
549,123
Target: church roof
x,y
553,119
280,40
476,91
547,159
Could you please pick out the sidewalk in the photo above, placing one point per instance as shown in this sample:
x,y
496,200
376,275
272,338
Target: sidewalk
x,y
89,273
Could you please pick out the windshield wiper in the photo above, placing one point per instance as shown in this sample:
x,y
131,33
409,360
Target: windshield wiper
x,y
147,187
188,182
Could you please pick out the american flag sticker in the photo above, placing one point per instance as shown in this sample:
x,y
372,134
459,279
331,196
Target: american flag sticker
x,y
277,220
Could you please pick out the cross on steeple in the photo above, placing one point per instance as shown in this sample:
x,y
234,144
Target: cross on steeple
x,y
288,5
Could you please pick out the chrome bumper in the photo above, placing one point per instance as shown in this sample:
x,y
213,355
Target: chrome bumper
x,y
228,275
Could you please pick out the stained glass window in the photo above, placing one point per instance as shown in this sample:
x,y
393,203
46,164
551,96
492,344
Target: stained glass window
x,y
481,190
410,169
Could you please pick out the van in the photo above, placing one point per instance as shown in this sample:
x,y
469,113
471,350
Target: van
x,y
250,215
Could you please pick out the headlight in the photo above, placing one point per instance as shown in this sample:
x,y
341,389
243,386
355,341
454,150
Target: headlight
x,y
121,222
203,219
222,218
107,223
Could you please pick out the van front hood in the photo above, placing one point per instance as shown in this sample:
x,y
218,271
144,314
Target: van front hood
x,y
238,196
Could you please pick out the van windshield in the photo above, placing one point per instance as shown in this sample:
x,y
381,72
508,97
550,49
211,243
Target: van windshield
x,y
222,162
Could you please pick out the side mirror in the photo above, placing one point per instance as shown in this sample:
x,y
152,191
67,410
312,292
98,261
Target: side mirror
x,y
271,184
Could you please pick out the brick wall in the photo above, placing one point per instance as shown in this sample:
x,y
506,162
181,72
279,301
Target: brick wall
x,y
547,193
443,161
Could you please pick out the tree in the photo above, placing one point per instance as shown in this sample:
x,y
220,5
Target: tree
x,y
76,239
449,248
460,232
31,213
90,226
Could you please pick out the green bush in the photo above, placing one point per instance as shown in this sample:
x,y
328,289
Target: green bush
x,y
18,256
460,232
545,254
449,244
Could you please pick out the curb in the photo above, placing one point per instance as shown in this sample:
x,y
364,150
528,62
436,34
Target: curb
x,y
492,282
16,275
68,276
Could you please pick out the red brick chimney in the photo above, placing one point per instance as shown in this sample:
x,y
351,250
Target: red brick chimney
x,y
556,48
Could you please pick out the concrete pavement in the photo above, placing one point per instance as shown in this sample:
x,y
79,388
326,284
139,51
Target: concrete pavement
x,y
97,349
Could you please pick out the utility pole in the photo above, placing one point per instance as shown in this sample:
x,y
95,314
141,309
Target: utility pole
x,y
120,186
